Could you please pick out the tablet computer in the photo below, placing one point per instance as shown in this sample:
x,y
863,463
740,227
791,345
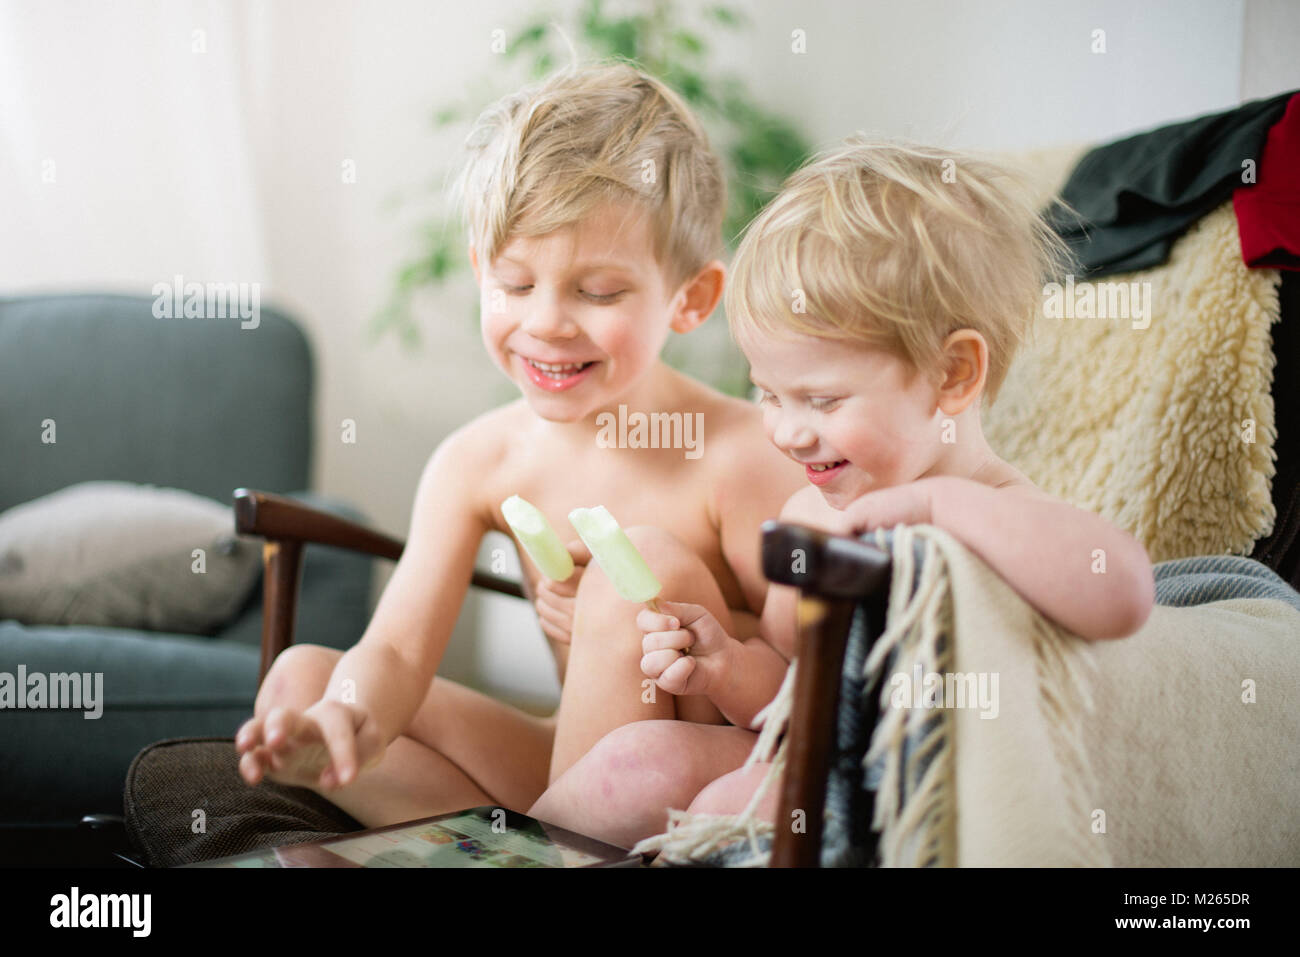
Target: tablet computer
x,y
478,837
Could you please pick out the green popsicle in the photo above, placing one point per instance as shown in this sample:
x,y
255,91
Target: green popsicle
x,y
616,554
538,538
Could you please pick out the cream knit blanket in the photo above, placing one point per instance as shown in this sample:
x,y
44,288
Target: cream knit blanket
x,y
1174,747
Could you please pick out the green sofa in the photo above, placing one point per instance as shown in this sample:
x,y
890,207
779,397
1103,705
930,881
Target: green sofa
x,y
196,404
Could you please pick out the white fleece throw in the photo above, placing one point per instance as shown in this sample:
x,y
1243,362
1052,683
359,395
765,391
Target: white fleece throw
x,y
1173,747
1159,419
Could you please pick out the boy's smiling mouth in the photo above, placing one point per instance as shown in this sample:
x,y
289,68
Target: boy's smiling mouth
x,y
819,473
555,376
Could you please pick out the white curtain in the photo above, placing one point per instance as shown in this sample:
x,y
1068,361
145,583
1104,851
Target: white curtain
x,y
125,154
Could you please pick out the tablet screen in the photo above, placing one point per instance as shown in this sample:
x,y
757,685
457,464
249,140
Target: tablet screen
x,y
479,837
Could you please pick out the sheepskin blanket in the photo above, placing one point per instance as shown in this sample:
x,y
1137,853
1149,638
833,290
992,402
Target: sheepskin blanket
x,y
1145,397
1173,747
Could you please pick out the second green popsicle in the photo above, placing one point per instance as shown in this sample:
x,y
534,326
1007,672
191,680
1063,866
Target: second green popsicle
x,y
616,554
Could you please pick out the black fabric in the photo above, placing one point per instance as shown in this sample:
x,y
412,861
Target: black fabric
x,y
171,780
1280,551
1136,196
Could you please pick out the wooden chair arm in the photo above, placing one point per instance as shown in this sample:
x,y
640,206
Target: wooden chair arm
x,y
833,574
287,525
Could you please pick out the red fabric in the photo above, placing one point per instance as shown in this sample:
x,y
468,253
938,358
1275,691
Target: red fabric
x,y
1268,213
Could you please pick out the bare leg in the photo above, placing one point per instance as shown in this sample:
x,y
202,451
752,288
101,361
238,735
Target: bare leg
x,y
604,688
462,748
621,789
731,793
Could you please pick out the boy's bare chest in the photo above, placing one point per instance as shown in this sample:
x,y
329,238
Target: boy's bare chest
x,y
639,487
637,490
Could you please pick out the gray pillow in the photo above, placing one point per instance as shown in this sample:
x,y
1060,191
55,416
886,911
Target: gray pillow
x,y
121,555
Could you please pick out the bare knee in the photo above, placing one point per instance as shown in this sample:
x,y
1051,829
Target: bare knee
x,y
732,793
671,559
676,566
643,761
653,542
298,677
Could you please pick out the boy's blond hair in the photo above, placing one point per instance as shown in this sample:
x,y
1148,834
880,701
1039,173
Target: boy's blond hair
x,y
545,157
895,246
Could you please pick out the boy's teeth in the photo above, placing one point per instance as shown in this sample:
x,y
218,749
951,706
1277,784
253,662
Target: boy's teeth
x,y
557,371
823,468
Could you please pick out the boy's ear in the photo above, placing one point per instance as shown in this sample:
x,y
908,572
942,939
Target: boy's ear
x,y
966,364
699,297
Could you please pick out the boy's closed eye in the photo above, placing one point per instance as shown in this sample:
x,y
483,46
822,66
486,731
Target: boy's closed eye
x,y
816,403
823,403
595,297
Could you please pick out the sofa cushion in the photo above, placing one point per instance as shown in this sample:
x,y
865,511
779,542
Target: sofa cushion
x,y
120,555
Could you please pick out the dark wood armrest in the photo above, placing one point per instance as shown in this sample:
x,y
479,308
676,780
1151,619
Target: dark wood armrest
x,y
277,519
287,525
833,574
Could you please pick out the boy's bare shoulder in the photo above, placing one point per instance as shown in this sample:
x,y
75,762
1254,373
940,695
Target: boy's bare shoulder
x,y
736,425
486,436
1013,481
739,449
807,506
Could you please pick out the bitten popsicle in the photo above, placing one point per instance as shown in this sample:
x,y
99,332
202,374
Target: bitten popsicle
x,y
616,554
538,538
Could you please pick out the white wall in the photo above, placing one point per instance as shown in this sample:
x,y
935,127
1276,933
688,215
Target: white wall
x,y
1000,74
225,164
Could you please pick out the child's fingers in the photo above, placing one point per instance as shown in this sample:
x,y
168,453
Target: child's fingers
x,y
255,765
281,727
555,633
688,614
567,588
580,553
676,678
250,768
649,621
249,735
551,614
556,603
557,623
656,663
679,640
338,733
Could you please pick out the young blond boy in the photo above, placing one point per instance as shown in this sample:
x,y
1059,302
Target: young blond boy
x,y
594,207
878,298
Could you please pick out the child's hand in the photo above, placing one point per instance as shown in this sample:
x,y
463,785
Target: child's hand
x,y
685,649
326,746
555,600
909,504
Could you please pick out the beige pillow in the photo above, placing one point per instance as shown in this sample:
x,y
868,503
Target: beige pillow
x,y
122,555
